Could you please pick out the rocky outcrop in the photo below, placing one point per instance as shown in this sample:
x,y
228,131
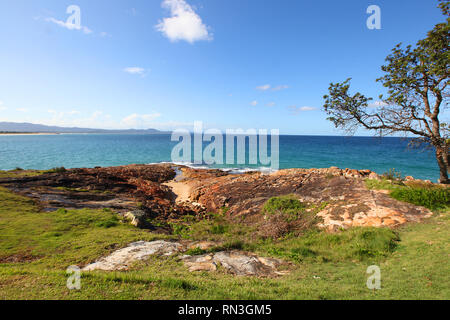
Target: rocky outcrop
x,y
234,262
122,259
123,189
348,201
159,192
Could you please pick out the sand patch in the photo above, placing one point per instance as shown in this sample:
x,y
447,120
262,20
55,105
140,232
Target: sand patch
x,y
182,190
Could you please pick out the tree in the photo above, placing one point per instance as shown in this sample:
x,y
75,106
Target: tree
x,y
417,82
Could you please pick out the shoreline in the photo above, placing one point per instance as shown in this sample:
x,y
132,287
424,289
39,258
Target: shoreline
x,y
230,171
27,134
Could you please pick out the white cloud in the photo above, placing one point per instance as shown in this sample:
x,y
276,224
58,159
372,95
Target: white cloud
x,y
139,121
69,26
377,104
74,118
267,87
183,24
22,109
254,103
264,87
297,110
307,108
99,120
271,104
2,107
135,70
281,87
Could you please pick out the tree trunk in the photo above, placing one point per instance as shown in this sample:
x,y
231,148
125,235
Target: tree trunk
x,y
442,159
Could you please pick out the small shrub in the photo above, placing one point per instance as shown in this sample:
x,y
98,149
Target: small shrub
x,y
431,198
181,230
393,175
195,252
418,193
285,204
383,184
218,229
232,245
286,215
18,169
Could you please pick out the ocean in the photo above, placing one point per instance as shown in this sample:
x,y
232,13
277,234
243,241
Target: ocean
x,y
91,150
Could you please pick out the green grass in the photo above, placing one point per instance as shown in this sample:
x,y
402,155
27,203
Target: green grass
x,y
430,196
289,205
19,172
433,198
413,260
357,244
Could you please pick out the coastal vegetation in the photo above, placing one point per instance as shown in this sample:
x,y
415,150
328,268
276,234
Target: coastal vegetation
x,y
431,196
417,81
36,247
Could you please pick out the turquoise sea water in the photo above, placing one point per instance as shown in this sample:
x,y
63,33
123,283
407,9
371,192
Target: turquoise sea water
x,y
90,150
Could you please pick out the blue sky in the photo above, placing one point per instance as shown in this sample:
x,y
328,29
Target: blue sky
x,y
164,64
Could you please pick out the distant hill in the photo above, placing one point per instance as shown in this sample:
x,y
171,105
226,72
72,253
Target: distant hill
x,y
40,128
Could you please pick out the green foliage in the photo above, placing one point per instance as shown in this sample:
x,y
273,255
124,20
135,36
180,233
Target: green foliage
x,y
287,216
232,245
289,205
111,222
431,198
416,79
181,230
219,229
19,172
355,244
393,175
195,252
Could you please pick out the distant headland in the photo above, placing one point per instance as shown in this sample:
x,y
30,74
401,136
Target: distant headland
x,y
14,128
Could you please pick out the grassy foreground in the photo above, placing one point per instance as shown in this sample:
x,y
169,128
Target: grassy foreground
x,y
37,247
